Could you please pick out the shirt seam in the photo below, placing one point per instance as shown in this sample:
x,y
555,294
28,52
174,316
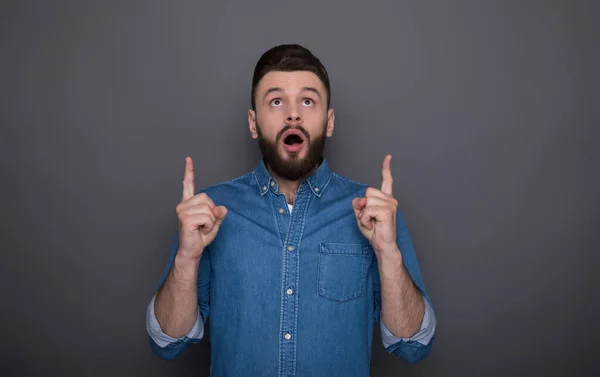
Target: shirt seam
x,y
348,179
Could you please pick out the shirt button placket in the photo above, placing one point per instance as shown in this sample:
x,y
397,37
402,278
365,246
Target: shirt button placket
x,y
293,238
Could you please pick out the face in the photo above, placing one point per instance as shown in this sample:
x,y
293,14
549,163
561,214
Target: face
x,y
291,122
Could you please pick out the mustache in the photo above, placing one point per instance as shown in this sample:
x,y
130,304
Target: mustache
x,y
288,127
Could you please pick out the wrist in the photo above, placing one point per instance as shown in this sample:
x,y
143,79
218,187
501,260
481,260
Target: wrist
x,y
187,256
391,253
186,267
389,259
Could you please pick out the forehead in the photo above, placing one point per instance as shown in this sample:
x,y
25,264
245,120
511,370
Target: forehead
x,y
290,81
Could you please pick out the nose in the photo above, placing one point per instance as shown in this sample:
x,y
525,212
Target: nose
x,y
293,116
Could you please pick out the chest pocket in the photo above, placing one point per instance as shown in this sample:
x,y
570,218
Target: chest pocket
x,y
342,270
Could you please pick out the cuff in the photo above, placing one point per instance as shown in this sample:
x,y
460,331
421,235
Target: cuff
x,y
162,339
423,336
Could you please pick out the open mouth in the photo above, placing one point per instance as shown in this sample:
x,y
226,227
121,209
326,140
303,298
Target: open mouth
x,y
293,141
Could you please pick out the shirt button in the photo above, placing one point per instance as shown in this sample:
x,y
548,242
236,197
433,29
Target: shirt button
x,y
272,183
264,188
288,336
290,248
281,210
289,291
316,189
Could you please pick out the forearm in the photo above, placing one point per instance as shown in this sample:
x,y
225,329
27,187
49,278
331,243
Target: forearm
x,y
402,305
176,304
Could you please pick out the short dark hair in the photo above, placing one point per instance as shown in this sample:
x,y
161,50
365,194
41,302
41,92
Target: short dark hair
x,y
289,58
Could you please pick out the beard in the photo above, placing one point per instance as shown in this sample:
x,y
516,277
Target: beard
x,y
295,168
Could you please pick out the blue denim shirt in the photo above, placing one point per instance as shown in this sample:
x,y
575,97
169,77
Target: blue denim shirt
x,y
292,293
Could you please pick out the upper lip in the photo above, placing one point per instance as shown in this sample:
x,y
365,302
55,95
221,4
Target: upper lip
x,y
293,132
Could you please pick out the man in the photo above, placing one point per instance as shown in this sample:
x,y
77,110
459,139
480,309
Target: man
x,y
293,262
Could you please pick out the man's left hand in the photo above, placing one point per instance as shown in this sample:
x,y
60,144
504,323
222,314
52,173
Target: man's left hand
x,y
376,212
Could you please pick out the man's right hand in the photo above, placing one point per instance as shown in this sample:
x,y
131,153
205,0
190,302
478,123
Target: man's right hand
x,y
199,218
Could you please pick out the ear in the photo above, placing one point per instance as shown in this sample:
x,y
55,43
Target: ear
x,y
330,122
252,123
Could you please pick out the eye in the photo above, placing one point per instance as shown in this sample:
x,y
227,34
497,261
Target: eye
x,y
307,102
276,102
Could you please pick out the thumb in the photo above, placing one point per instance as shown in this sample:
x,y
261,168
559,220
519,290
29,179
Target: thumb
x,y
220,212
358,204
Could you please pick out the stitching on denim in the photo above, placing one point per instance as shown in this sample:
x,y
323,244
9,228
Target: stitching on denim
x,y
365,258
349,180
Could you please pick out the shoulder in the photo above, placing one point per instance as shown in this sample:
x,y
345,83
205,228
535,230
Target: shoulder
x,y
347,184
232,187
347,181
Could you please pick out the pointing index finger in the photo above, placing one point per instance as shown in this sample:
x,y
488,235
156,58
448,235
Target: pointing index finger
x,y
188,179
386,173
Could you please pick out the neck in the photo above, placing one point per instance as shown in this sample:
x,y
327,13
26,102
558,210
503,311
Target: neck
x,y
288,187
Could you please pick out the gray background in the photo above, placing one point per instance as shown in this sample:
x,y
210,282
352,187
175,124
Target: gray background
x,y
490,110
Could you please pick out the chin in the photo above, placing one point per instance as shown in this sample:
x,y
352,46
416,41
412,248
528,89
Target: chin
x,y
286,156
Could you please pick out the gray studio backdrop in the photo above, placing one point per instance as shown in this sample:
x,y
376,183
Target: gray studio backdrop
x,y
489,108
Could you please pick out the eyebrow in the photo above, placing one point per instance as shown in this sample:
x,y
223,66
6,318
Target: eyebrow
x,y
305,89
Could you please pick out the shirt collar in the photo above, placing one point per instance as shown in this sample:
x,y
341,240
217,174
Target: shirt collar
x,y
317,180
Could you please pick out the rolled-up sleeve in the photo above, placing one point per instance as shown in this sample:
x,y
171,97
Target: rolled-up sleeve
x,y
166,346
424,335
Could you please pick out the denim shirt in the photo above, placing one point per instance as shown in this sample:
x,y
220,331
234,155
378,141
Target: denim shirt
x,y
292,293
